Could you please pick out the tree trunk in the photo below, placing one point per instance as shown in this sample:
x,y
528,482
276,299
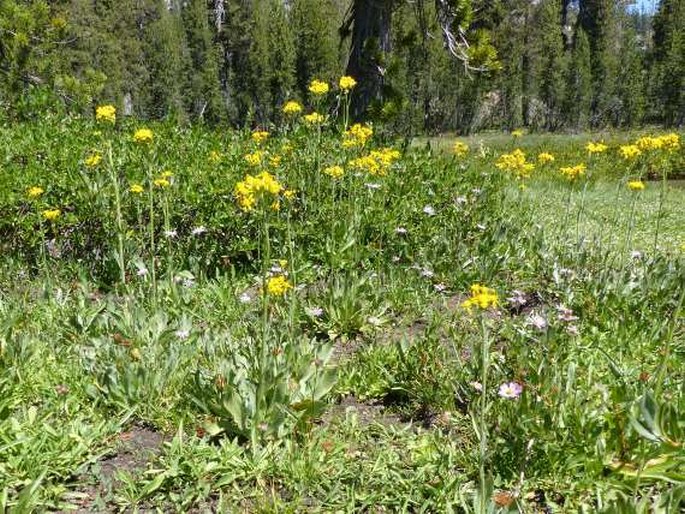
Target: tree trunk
x,y
369,46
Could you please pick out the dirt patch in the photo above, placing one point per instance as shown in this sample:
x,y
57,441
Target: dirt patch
x,y
367,413
132,452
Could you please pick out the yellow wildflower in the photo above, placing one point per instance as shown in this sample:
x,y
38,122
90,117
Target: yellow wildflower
x,y
481,297
255,158
106,113
35,192
278,285
636,185
166,174
385,156
629,152
259,136
515,162
275,161
143,136
357,135
334,171
545,157
649,143
318,88
670,142
51,214
161,182
289,194
367,163
593,148
517,133
136,189
347,83
214,156
93,160
573,172
292,108
249,191
460,149
314,118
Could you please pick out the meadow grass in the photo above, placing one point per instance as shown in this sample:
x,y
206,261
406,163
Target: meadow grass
x,y
423,332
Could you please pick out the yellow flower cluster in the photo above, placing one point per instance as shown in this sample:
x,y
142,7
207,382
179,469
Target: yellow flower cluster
x,y
460,149
347,83
278,285
314,118
515,162
51,214
517,133
106,113
593,148
264,185
481,297
292,108
35,192
671,141
335,172
667,141
143,136
573,172
162,182
259,136
377,162
636,185
255,158
630,152
357,135
318,88
93,160
136,189
545,157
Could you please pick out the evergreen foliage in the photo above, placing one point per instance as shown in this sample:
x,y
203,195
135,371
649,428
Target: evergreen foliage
x,y
550,64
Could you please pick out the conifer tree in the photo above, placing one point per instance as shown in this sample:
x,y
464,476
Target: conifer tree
x,y
552,62
168,59
203,95
668,90
315,24
579,82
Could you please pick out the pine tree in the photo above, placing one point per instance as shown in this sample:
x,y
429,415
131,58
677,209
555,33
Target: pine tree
x,y
579,82
631,84
600,21
203,94
315,24
551,59
282,55
167,57
668,89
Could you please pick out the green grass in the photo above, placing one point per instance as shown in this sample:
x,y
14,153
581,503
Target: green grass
x,y
368,386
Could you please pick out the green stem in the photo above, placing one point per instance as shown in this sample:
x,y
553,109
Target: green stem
x,y
121,261
662,197
263,347
485,364
151,228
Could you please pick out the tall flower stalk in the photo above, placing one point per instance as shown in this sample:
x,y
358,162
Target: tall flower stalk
x,y
114,178
482,298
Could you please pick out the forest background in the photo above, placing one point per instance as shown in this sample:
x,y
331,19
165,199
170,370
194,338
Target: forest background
x,y
542,64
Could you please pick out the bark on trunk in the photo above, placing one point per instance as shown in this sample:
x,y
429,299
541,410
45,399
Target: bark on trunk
x,y
369,46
